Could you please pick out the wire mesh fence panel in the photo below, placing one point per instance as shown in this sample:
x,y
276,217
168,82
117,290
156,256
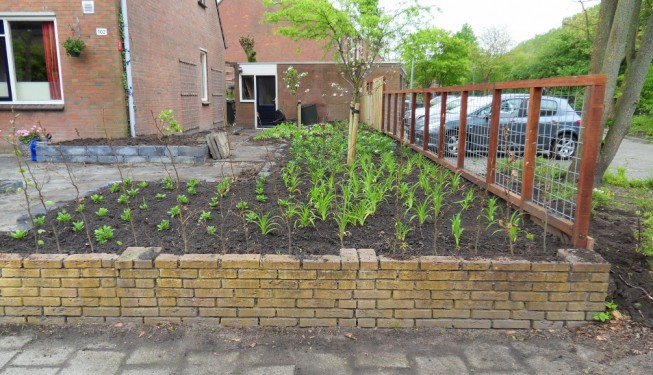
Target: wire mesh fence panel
x,y
477,132
560,134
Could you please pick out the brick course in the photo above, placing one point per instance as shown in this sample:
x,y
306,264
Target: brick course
x,y
275,290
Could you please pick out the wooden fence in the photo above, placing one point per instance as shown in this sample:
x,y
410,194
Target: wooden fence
x,y
528,182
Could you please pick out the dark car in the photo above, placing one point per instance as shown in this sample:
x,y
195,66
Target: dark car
x,y
558,131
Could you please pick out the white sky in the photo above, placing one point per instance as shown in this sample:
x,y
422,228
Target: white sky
x,y
522,19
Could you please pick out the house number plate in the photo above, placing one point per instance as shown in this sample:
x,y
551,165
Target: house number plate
x,y
101,31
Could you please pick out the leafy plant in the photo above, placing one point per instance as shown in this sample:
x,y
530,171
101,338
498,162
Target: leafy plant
x,y
262,198
214,202
251,216
18,234
97,198
457,229
74,45
39,220
143,205
266,223
210,229
64,217
133,192
242,205
127,181
422,210
169,123
163,225
192,182
183,199
205,215
167,183
223,187
104,234
80,208
608,314
143,184
192,190
174,211
115,187
305,216
123,199
160,196
126,214
78,226
402,229
102,212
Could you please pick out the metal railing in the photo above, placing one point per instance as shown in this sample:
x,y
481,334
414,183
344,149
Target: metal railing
x,y
533,143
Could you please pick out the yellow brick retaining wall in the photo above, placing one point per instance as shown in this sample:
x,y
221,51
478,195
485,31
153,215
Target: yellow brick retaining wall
x,y
356,288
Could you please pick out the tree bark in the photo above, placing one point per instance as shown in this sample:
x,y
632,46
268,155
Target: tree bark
x,y
627,103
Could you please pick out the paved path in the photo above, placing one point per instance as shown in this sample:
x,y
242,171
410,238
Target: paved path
x,y
196,351
247,157
636,156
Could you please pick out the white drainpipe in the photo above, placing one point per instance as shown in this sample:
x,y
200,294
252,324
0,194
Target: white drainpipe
x,y
128,70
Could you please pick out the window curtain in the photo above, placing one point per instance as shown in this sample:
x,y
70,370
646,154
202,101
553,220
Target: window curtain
x,y
51,66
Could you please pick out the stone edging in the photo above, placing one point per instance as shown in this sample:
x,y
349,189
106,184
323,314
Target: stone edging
x,y
120,154
356,288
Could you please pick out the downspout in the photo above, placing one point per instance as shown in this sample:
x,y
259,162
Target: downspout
x,y
128,70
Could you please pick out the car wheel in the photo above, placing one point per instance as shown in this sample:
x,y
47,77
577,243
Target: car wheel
x,y
564,147
451,144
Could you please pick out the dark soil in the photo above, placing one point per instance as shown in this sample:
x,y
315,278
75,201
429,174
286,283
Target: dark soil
x,y
184,139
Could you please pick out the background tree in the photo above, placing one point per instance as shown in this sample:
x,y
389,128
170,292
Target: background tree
x,y
438,57
493,44
358,31
247,43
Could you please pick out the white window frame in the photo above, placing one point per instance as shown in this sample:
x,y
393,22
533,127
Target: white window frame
x,y
240,83
7,17
204,75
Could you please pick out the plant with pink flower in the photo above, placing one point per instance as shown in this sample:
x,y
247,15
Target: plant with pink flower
x,y
26,135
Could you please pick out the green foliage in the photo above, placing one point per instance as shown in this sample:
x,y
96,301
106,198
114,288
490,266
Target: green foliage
x,y
104,234
74,45
143,184
126,214
242,205
174,211
211,230
167,183
293,79
102,212
608,314
115,187
160,196
205,216
78,226
143,205
287,130
97,198
123,199
620,179
644,232
223,187
38,220
183,199
214,202
163,225
133,192
642,125
438,56
80,207
169,124
266,222
18,234
457,229
64,217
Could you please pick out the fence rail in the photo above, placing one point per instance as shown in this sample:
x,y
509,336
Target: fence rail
x,y
533,142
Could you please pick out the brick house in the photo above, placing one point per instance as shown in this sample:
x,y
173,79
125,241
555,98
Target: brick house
x,y
176,54
259,87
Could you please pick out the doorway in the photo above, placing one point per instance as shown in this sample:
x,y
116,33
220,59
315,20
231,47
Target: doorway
x,y
266,97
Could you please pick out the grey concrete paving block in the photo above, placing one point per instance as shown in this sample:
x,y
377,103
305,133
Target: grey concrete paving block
x,y
100,150
47,150
14,342
73,150
317,363
193,150
441,365
6,356
151,150
148,371
30,370
93,362
82,159
48,159
551,365
641,364
126,150
200,363
171,150
109,159
382,359
488,357
135,159
271,370
150,355
44,354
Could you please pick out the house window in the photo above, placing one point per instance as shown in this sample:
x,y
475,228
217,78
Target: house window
x,y
29,61
205,77
246,88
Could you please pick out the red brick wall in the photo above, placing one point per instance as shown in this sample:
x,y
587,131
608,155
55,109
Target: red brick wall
x,y
245,17
92,83
163,32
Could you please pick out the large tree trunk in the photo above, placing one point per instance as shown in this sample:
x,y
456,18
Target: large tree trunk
x,y
627,103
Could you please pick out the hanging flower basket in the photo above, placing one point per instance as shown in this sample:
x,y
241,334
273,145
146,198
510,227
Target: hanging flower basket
x,y
74,46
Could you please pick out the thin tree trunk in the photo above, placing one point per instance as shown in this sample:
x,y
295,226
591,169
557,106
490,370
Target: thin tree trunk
x,y
627,103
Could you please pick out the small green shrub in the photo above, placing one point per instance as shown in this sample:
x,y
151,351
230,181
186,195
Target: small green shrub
x,y
103,234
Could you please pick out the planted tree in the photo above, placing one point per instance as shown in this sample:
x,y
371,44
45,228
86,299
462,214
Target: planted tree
x,y
358,32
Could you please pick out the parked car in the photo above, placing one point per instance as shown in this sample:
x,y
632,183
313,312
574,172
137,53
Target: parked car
x,y
435,102
558,130
452,113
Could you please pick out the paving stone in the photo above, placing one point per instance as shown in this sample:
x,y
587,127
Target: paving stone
x,y
5,356
148,371
30,370
201,363
445,365
489,357
387,359
43,355
14,342
93,362
547,365
149,355
317,363
271,370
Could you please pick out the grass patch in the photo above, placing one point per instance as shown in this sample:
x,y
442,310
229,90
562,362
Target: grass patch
x,y
642,127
